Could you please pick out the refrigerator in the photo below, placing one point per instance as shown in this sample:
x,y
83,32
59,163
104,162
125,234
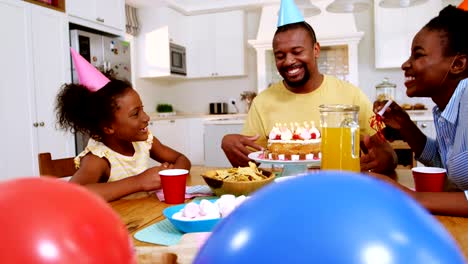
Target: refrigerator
x,y
108,54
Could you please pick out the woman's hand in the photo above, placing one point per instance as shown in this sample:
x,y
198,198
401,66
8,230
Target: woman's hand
x,y
394,116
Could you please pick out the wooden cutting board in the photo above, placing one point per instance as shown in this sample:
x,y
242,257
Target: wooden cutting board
x,y
182,253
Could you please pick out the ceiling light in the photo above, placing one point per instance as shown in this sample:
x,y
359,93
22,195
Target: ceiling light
x,y
400,3
307,8
348,6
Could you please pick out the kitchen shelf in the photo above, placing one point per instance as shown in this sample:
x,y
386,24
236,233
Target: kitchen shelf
x,y
58,5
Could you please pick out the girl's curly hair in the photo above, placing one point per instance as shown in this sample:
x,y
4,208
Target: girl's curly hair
x,y
80,110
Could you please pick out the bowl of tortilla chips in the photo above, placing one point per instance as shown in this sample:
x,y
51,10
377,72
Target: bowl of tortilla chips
x,y
237,181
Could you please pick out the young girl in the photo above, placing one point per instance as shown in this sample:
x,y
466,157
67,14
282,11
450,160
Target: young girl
x,y
438,68
115,161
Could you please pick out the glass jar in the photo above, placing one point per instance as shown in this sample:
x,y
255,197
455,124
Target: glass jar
x,y
340,137
385,90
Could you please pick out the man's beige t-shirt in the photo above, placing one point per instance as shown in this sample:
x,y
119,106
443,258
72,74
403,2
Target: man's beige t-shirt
x,y
279,105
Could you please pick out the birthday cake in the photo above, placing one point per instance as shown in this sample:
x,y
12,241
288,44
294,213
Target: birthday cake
x,y
296,142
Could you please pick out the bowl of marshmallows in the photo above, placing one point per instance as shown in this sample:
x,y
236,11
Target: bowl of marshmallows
x,y
203,215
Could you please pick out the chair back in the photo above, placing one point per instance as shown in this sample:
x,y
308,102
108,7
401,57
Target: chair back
x,y
56,167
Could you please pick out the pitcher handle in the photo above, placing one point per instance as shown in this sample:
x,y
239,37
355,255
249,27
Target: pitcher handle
x,y
355,138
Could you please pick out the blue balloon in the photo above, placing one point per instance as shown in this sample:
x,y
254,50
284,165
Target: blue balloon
x,y
330,217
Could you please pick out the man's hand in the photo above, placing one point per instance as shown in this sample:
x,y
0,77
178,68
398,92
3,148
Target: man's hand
x,y
235,148
380,156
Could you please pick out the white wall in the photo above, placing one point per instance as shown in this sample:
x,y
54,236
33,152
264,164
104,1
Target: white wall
x,y
369,77
194,95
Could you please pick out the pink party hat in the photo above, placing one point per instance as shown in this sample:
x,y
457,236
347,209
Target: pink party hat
x,y
88,75
289,13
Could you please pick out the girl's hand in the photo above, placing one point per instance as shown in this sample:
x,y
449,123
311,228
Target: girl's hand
x,y
149,180
166,165
394,116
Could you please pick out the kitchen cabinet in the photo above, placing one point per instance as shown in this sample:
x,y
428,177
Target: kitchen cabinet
x,y
35,63
427,127
217,45
103,15
158,28
394,29
182,134
196,152
214,133
172,133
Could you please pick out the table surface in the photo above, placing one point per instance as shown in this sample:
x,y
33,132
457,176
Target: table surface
x,y
140,212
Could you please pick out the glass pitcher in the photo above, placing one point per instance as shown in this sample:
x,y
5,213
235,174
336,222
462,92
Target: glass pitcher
x,y
340,137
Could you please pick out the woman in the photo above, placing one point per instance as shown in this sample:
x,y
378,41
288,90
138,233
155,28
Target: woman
x,y
438,68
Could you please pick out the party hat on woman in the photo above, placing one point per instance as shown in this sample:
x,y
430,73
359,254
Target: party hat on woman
x,y
463,5
88,75
289,13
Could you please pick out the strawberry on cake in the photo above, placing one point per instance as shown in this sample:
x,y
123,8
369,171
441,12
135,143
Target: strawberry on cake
x,y
296,142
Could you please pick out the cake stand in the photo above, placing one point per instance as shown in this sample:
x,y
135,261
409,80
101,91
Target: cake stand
x,y
290,167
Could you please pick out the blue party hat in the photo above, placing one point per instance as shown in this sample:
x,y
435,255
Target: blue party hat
x,y
289,13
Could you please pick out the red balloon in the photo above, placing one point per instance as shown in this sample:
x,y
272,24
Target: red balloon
x,y
52,221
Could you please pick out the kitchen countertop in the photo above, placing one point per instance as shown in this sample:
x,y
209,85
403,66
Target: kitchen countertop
x,y
416,115
420,115
154,116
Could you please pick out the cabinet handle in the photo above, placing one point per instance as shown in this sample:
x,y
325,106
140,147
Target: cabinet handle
x,y
150,123
172,121
35,124
423,125
41,124
100,19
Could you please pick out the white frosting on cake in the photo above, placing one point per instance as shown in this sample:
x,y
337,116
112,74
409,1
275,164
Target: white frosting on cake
x,y
306,134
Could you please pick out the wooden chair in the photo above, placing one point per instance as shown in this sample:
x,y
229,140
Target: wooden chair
x,y
57,168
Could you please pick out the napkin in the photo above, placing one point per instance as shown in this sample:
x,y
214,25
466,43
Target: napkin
x,y
161,233
190,192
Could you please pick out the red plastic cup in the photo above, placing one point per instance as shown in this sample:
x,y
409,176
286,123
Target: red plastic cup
x,y
429,179
173,183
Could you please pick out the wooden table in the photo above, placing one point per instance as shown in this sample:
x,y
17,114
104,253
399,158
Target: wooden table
x,y
140,212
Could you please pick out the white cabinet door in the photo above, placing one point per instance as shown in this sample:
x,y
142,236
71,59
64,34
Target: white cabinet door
x,y
172,133
51,62
103,15
196,153
184,135
394,29
111,13
201,51
33,68
216,45
428,128
230,44
214,133
85,9
17,151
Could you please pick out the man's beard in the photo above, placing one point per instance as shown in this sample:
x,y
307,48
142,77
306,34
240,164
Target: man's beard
x,y
298,83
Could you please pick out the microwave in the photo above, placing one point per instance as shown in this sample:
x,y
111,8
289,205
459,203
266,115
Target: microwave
x,y
178,59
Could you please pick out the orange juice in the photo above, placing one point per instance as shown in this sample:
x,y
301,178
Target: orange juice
x,y
340,149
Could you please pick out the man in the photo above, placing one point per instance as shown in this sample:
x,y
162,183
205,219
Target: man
x,y
297,97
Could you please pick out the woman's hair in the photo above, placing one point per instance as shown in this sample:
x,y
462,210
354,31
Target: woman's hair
x,y
80,110
452,22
